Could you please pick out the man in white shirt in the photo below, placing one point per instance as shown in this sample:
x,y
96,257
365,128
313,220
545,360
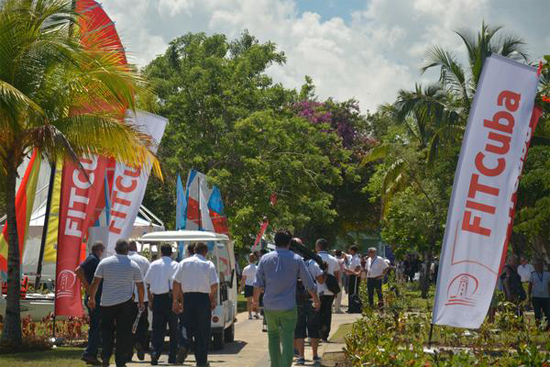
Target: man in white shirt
x,y
524,270
353,270
341,267
376,270
140,337
196,295
119,274
325,295
159,286
247,282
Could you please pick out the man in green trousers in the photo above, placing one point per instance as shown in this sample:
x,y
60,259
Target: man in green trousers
x,y
277,274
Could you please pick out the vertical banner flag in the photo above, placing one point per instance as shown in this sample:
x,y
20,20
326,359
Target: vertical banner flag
x,y
481,210
50,248
204,208
80,192
24,201
181,205
130,182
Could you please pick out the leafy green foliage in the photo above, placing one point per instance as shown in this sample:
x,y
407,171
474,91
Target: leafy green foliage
x,y
253,137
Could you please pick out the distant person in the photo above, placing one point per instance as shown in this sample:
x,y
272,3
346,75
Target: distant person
x,y
325,295
119,275
277,275
539,292
341,268
196,295
140,337
524,270
159,286
247,283
85,273
309,322
354,270
376,270
511,282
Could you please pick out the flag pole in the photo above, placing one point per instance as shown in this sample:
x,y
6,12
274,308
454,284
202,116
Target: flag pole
x,y
199,206
45,227
431,334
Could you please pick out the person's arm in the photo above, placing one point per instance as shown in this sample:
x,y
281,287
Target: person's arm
x,y
93,291
259,285
213,295
151,296
141,295
80,275
177,298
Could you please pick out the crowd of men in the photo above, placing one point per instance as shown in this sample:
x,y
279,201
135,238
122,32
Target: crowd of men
x,y
298,294
120,288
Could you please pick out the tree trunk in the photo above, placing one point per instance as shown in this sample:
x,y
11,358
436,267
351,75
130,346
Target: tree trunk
x,y
425,276
12,319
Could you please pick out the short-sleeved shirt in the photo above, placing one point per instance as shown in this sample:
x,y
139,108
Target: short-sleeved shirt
x,y
278,273
355,262
89,267
375,267
143,264
250,273
525,271
160,274
314,270
119,275
540,284
196,275
332,268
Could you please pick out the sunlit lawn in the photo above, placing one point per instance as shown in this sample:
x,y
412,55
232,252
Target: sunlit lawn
x,y
59,357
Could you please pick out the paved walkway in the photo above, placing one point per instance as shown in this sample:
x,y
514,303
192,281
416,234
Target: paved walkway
x,y
250,346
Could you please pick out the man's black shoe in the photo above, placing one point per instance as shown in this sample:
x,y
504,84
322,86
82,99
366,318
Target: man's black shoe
x,y
172,361
154,359
91,360
140,351
182,355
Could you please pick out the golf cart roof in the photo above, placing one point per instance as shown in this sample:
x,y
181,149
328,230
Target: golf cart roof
x,y
182,235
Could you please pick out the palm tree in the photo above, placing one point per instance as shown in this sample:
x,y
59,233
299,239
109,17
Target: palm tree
x,y
49,85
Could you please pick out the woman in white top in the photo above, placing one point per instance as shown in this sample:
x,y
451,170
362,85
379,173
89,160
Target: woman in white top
x,y
247,282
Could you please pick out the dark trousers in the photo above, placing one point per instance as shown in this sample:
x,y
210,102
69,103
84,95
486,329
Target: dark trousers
x,y
541,306
143,327
353,286
117,319
372,285
196,317
94,331
325,315
162,316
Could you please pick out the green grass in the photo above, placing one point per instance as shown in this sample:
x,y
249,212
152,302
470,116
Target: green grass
x,y
59,357
341,333
241,303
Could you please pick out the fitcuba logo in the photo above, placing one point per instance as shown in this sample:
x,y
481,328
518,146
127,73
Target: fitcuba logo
x,y
461,290
65,284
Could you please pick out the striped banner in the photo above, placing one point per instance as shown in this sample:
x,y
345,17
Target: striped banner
x,y
24,202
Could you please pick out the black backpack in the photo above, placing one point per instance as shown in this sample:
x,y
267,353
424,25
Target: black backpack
x,y
332,284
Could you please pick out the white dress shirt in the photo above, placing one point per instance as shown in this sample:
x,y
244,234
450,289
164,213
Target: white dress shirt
x,y
354,263
525,271
196,274
375,267
250,273
143,265
332,268
160,273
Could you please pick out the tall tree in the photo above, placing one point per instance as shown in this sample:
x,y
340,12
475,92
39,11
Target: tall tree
x,y
48,82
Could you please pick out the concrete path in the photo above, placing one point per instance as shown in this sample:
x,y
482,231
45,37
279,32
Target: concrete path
x,y
250,346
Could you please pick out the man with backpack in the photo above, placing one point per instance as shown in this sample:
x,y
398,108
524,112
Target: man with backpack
x,y
309,323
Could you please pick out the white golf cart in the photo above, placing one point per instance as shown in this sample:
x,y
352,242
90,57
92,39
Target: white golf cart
x,y
220,252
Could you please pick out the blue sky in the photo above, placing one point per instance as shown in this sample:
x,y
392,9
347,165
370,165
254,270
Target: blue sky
x,y
362,49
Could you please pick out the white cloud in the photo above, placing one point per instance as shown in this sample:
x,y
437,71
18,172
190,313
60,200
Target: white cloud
x,y
368,57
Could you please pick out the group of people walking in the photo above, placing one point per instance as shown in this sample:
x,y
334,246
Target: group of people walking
x,y
119,290
297,294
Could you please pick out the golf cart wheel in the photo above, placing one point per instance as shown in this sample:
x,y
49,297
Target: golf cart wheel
x,y
229,334
218,340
